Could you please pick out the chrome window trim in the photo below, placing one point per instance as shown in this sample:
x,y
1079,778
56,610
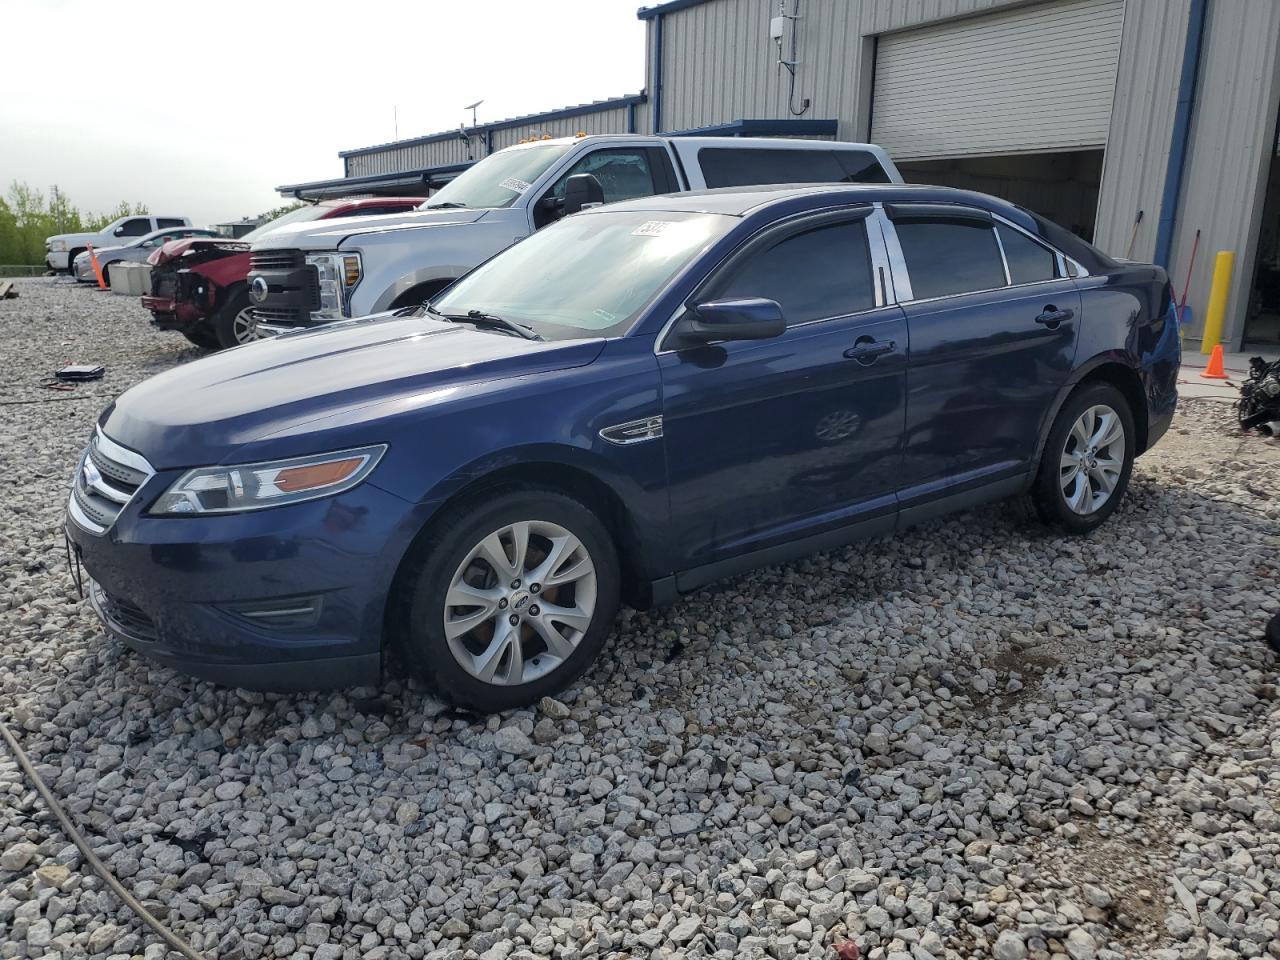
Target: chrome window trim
x,y
905,296
1004,259
823,212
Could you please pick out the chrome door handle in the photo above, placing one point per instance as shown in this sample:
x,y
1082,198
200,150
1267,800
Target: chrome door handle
x,y
1053,316
865,350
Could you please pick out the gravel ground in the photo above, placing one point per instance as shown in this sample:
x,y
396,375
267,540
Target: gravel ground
x,y
974,740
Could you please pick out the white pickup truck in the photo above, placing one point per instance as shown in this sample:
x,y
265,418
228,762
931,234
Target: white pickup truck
x,y
61,250
322,271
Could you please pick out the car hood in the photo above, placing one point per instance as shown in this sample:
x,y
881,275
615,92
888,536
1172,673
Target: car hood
x,y
328,234
201,412
75,237
178,248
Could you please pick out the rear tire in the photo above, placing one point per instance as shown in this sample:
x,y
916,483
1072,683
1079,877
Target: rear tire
x,y
1087,460
234,323
523,638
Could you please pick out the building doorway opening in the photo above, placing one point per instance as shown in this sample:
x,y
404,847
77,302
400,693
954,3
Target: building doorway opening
x,y
1262,317
1062,186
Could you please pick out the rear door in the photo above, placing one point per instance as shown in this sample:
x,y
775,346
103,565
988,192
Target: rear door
x,y
993,322
769,441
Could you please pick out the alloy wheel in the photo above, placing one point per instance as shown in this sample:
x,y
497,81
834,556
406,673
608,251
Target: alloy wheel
x,y
1092,459
520,603
245,326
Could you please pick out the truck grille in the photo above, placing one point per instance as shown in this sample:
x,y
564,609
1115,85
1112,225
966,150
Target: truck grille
x,y
277,260
106,479
288,316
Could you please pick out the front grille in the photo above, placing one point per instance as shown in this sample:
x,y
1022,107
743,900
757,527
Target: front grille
x,y
292,316
277,260
107,477
128,617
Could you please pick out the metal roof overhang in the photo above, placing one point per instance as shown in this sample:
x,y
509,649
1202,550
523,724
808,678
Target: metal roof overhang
x,y
404,182
763,128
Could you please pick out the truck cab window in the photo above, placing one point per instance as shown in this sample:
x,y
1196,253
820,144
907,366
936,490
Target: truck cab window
x,y
137,227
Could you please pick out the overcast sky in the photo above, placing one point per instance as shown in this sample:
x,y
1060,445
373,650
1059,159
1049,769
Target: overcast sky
x,y
201,109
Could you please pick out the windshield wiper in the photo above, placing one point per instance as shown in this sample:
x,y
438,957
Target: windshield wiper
x,y
445,205
482,319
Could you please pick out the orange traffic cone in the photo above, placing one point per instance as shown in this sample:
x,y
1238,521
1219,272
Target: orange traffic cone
x,y
97,270
1215,370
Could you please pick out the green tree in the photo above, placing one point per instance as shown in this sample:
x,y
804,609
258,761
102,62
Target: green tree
x,y
27,217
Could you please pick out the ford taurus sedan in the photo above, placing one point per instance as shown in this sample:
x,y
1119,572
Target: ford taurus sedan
x,y
623,407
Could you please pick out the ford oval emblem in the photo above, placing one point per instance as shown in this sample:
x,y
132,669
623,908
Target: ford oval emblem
x,y
258,290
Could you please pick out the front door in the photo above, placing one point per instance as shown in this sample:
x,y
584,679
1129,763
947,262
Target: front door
x,y
993,334
769,441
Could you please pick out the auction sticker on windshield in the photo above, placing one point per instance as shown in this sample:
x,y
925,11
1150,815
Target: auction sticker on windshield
x,y
652,228
514,184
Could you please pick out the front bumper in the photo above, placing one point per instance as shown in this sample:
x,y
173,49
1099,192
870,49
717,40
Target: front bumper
x,y
56,261
83,272
288,598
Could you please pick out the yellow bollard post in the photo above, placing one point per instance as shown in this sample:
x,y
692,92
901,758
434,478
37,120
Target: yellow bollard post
x,y
1216,313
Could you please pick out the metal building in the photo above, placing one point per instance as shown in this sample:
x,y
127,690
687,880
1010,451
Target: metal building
x,y
1136,123
1093,112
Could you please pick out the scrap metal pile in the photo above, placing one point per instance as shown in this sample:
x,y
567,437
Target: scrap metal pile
x,y
1259,403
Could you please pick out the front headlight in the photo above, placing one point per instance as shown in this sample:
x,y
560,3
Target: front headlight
x,y
256,486
338,274
58,246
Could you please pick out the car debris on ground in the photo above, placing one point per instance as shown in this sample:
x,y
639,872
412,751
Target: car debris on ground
x,y
975,739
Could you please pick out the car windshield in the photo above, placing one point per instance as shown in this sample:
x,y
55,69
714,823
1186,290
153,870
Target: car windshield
x,y
497,180
588,275
312,211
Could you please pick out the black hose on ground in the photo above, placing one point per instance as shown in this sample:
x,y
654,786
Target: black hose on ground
x,y
100,868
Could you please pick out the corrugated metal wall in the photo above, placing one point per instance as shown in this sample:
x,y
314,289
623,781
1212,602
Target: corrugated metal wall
x,y
1232,133
395,159
994,84
719,65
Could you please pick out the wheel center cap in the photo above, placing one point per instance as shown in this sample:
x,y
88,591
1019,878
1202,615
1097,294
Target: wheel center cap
x,y
520,601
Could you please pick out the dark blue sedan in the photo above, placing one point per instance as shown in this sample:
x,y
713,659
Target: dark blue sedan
x,y
627,405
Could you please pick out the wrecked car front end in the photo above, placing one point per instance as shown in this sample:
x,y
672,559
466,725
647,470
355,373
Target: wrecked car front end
x,y
188,278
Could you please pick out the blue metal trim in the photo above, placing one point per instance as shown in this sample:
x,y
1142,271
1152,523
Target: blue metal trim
x,y
657,74
764,128
671,6
600,106
1181,131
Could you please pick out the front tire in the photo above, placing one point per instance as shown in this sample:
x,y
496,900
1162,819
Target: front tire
x,y
1087,460
512,600
234,322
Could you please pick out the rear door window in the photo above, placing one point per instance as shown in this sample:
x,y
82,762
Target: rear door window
x,y
137,227
742,167
165,222
1029,262
815,274
949,257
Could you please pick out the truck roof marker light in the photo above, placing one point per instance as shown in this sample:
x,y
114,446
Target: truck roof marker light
x,y
581,133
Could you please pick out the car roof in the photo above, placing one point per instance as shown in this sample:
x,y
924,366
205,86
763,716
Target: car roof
x,y
164,230
742,201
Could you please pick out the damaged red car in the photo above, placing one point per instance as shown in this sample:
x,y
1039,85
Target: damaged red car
x,y
199,285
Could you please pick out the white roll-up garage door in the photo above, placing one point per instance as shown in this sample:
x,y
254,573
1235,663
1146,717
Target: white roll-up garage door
x,y
1029,80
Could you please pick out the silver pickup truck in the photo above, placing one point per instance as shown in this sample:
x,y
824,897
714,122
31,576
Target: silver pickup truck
x,y
326,270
